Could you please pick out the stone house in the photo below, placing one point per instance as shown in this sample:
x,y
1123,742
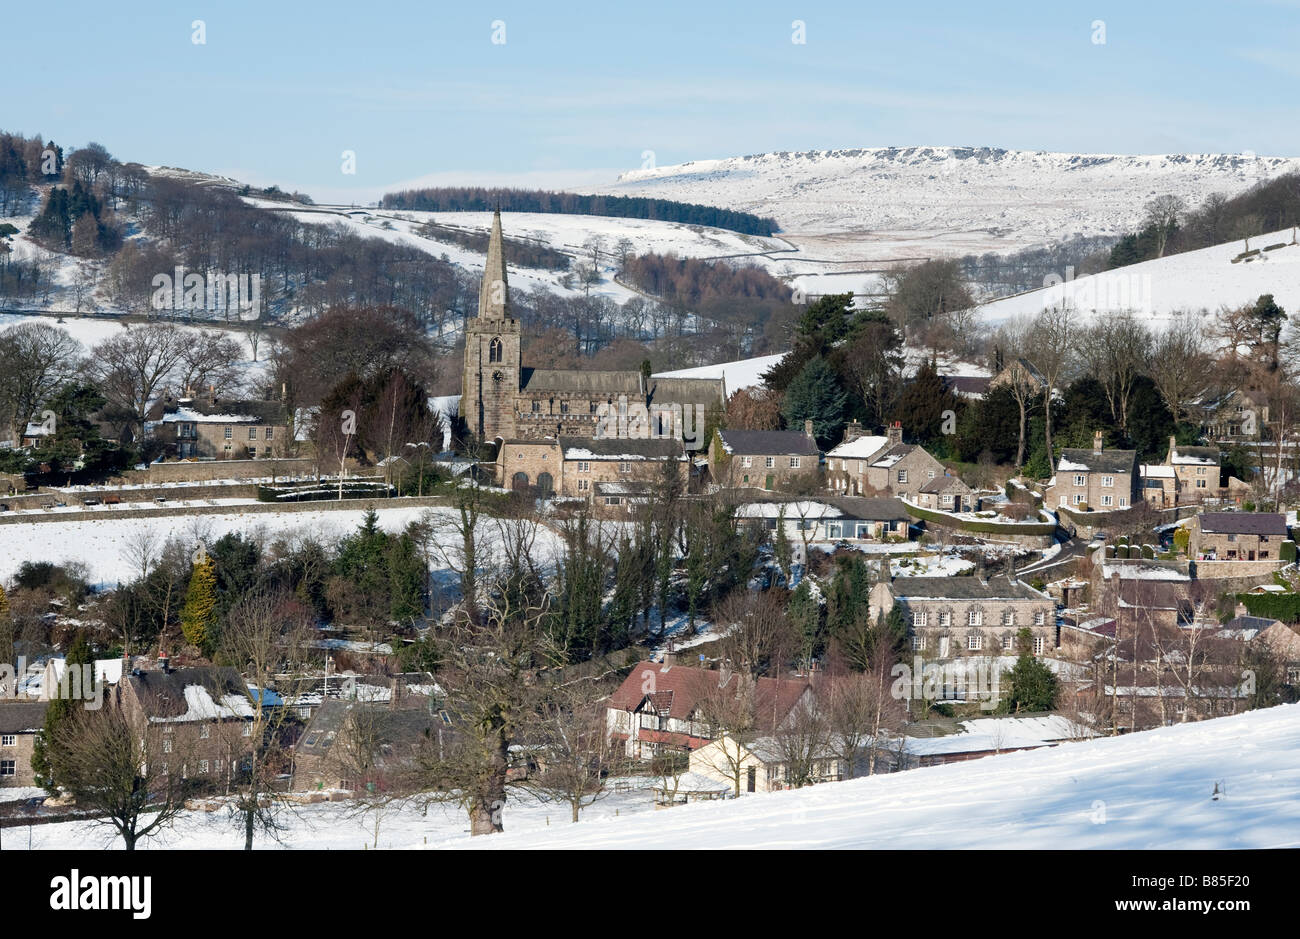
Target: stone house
x,y
1159,484
902,470
953,616
664,707
1019,371
197,721
762,766
763,459
215,429
1196,471
358,744
20,722
1097,479
607,471
1237,536
946,493
846,464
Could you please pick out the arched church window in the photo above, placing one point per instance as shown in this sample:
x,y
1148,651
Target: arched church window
x,y
494,350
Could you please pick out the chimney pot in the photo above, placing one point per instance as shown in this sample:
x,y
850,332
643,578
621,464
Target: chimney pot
x,y
808,428
1096,441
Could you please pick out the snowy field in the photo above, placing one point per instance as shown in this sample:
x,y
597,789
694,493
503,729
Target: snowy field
x,y
1202,282
1149,790
102,545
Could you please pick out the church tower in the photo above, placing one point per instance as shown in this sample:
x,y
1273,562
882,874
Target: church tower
x,y
491,381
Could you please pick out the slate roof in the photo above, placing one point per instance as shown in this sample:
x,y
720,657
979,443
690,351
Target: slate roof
x,y
20,717
1243,523
614,383
1094,461
1195,456
164,696
762,442
859,448
945,484
963,588
404,726
972,386
614,448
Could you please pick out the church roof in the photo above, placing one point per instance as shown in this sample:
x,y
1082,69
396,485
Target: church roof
x,y
595,382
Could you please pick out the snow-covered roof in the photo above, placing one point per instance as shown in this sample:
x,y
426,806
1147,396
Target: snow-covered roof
x,y
861,448
793,510
190,416
1157,471
201,706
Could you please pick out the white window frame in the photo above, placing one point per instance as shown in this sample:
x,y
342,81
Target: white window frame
x,y
902,477
8,740
918,619
794,462
975,618
769,462
1107,499
1080,479
1108,482
974,642
1039,645
747,461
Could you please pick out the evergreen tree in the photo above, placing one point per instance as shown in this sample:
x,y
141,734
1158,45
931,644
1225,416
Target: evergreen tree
x,y
199,614
816,394
59,710
922,405
805,612
1033,686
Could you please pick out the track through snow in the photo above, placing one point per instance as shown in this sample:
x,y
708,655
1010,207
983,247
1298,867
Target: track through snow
x,y
1147,790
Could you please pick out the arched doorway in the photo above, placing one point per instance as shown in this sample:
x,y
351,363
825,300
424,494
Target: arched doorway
x,y
519,482
545,485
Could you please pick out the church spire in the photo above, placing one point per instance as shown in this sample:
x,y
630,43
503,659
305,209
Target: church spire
x,y
494,295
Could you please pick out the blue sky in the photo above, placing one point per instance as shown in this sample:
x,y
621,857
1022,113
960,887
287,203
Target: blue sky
x,y
579,91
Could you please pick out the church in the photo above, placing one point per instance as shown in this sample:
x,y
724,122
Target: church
x,y
504,400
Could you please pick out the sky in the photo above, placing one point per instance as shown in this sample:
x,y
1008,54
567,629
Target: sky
x,y
539,94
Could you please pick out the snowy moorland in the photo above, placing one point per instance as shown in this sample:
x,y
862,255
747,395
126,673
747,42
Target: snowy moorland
x,y
1204,281
887,203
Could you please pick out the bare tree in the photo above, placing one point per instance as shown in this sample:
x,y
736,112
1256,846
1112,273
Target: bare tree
x,y
132,367
1116,352
756,633
1050,350
1179,365
117,773
1163,214
860,709
572,742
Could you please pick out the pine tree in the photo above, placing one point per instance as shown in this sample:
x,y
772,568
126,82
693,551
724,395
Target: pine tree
x,y
816,394
922,405
199,614
1033,686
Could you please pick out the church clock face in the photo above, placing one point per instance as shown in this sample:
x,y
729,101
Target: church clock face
x,y
498,377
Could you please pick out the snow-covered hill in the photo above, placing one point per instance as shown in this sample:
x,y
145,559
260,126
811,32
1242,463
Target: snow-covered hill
x,y
1204,281
1147,790
904,202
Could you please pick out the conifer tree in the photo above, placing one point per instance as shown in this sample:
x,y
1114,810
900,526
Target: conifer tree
x,y
816,394
199,614
57,713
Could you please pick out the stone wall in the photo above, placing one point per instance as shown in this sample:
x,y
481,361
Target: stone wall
x,y
247,509
203,471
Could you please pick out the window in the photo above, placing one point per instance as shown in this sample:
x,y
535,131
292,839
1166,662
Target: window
x,y
1080,480
1008,640
584,484
1039,643
975,618
1200,484
230,433
945,619
918,620
537,407
769,462
929,474
205,731
1123,502
252,452
1107,500
167,745
917,643
625,467
270,433
248,730
252,433
1108,481
747,461
794,462
1040,618
494,350
584,466
902,476
9,740
612,500
974,642
1008,617
1200,471
564,407
1078,498
8,768
591,408
203,766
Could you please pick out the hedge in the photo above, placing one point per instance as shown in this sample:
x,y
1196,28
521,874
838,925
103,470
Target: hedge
x,y
1279,606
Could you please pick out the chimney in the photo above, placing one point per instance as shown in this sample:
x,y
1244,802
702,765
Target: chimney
x,y
396,684
1096,442
808,428
895,433
164,664
1173,442
853,431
